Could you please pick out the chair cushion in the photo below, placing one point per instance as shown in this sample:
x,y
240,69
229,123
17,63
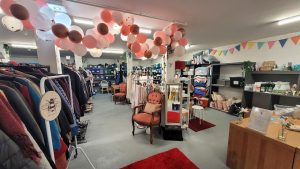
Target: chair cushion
x,y
123,87
154,98
120,94
151,108
145,118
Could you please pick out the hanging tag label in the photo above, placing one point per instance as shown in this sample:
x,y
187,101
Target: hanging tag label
x,y
50,105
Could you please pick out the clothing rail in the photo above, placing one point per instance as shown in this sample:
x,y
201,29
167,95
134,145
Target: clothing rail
x,y
49,136
30,66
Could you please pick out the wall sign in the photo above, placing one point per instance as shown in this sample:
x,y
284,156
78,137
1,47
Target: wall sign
x,y
50,105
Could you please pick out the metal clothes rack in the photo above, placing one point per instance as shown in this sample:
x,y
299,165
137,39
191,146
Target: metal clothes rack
x,y
49,137
25,66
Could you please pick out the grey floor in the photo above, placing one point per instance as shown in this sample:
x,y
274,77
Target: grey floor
x,y
110,144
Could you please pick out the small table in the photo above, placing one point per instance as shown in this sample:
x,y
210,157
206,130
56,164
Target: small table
x,y
198,109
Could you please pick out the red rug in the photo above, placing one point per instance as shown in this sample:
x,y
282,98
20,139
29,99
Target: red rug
x,y
171,159
194,124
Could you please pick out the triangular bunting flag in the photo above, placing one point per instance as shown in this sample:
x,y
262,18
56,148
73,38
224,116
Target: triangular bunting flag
x,y
225,52
295,39
283,42
244,44
220,52
231,50
238,47
213,51
271,44
250,45
260,44
209,51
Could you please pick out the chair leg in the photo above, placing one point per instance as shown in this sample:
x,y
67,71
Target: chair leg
x,y
151,135
133,127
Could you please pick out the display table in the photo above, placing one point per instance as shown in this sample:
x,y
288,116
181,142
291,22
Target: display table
x,y
249,149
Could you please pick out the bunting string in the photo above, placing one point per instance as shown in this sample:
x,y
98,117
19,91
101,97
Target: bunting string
x,y
250,45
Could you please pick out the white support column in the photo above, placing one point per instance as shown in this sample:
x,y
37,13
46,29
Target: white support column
x,y
78,61
49,55
129,61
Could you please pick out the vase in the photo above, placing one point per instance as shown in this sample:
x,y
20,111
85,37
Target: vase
x,y
282,133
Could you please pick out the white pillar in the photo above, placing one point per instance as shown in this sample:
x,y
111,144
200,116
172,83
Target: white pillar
x,y
49,55
78,61
129,61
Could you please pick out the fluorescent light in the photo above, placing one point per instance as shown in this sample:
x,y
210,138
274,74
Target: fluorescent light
x,y
83,21
27,46
113,51
289,20
57,8
146,31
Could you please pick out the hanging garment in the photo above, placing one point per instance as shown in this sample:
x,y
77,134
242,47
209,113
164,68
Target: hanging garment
x,y
11,156
16,132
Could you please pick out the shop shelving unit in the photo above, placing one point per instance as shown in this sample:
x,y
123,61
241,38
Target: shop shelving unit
x,y
101,72
267,100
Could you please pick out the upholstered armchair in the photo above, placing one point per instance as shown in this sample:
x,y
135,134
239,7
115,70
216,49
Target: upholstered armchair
x,y
148,114
121,96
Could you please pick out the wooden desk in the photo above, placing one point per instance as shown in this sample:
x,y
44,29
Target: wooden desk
x,y
249,149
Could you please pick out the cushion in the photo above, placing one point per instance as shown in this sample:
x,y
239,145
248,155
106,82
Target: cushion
x,y
120,94
145,118
154,98
151,108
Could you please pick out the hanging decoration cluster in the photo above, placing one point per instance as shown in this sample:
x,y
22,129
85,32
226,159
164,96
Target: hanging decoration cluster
x,y
250,44
57,27
139,44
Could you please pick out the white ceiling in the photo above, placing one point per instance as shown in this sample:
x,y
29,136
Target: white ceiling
x,y
210,23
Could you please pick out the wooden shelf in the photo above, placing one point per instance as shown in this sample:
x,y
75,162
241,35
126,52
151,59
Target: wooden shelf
x,y
275,94
228,64
276,73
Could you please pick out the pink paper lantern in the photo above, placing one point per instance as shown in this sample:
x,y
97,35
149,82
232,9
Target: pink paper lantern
x,y
135,47
174,28
27,24
183,42
162,49
5,4
110,38
106,15
141,38
125,30
140,54
160,34
89,41
57,42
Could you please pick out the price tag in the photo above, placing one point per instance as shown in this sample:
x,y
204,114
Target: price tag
x,y
50,105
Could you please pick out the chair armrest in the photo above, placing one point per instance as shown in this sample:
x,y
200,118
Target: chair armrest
x,y
136,107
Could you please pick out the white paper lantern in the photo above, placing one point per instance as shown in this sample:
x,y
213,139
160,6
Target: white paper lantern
x,y
79,49
12,24
41,22
117,17
131,38
177,35
95,52
155,50
45,35
48,12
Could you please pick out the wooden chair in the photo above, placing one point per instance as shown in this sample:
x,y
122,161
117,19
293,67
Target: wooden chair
x,y
121,96
104,86
148,119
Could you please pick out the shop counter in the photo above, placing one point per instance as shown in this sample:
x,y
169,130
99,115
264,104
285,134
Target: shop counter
x,y
249,149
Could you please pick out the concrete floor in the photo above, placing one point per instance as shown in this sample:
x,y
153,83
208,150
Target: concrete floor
x,y
110,144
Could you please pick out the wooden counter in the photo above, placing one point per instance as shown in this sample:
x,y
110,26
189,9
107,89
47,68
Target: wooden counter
x,y
249,149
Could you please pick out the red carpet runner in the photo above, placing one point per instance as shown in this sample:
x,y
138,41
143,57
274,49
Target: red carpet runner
x,y
171,159
194,124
